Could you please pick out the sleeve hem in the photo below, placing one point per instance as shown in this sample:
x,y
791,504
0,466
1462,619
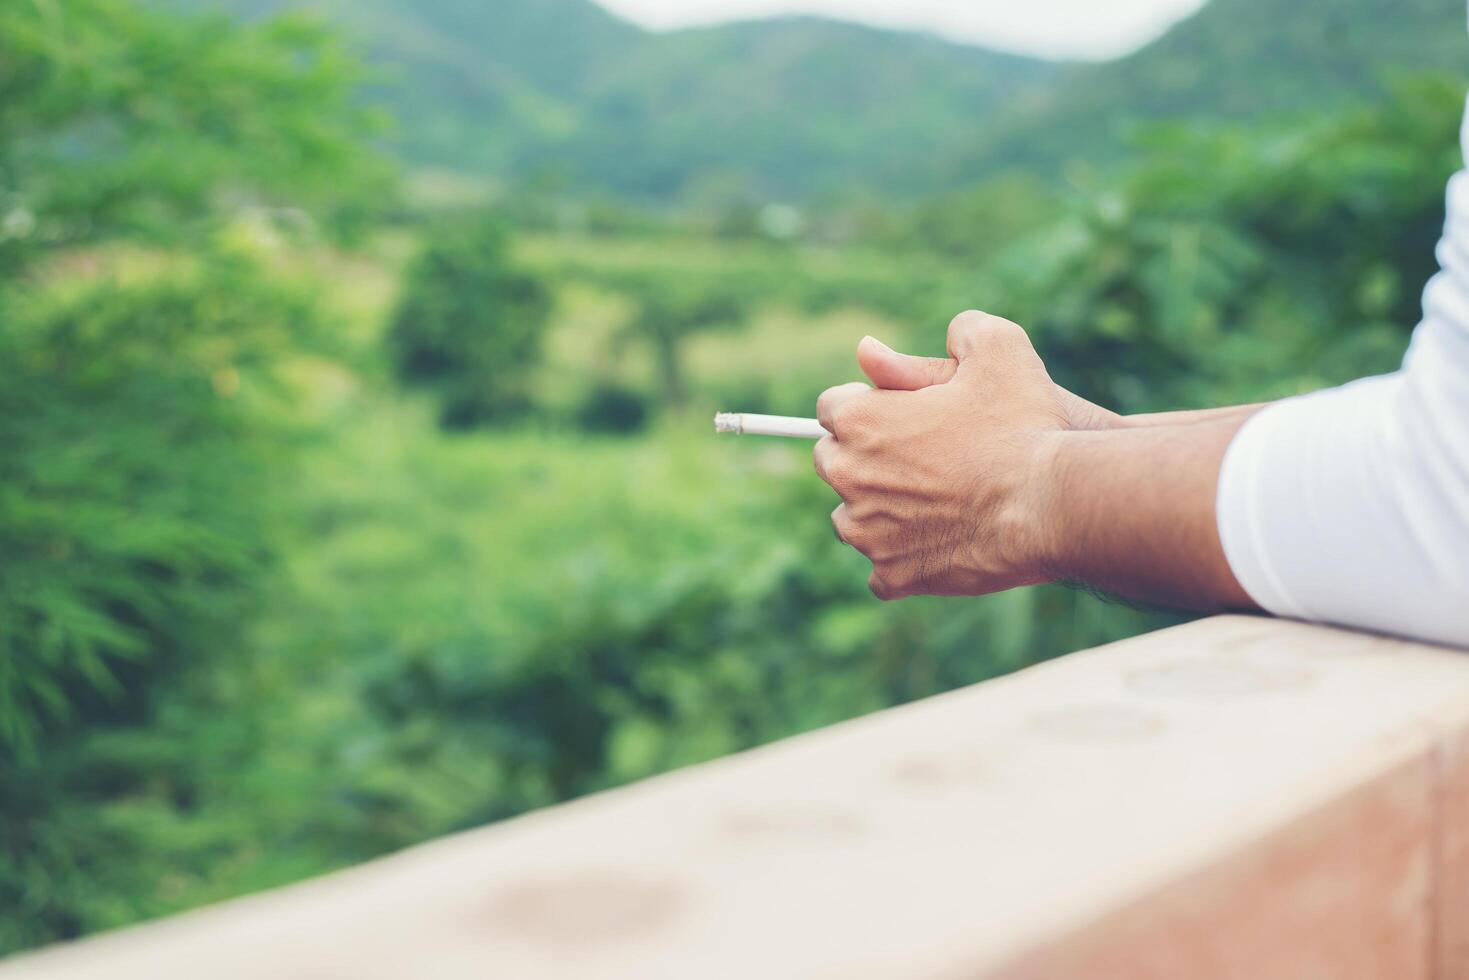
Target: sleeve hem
x,y
1237,509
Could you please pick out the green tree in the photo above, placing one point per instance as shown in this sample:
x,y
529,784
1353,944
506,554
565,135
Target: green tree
x,y
671,309
116,120
470,324
141,423
141,438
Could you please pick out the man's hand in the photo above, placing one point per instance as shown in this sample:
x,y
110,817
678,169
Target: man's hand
x,y
943,486
905,372
978,473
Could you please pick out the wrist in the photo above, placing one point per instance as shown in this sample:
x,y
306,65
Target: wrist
x,y
1044,518
1132,511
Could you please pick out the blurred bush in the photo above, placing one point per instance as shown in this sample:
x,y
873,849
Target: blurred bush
x,y
119,120
611,408
522,620
672,309
470,324
142,431
1238,264
139,431
144,419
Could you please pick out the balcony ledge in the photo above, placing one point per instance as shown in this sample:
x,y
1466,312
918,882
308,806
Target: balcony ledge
x,y
1234,798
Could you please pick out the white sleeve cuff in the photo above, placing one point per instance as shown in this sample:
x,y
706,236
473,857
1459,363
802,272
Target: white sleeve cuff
x,y
1243,489
1329,510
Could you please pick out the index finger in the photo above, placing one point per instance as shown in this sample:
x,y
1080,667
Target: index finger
x,y
829,405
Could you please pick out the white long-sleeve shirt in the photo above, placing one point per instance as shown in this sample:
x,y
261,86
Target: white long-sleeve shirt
x,y
1351,506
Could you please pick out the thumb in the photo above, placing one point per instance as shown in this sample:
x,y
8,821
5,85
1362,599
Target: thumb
x,y
886,368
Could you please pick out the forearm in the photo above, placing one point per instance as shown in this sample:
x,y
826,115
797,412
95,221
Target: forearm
x,y
1132,511
1235,413
1083,414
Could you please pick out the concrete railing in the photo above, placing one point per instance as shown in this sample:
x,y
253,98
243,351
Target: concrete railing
x,y
1235,798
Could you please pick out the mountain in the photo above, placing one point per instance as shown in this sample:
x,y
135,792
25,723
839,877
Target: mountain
x,y
482,86
797,107
779,108
793,106
1233,60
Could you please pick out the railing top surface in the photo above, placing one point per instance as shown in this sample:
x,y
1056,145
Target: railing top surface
x,y
984,833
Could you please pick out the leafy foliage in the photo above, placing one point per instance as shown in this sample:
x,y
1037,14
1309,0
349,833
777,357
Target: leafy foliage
x,y
631,634
1232,255
144,418
133,456
115,122
470,324
669,312
140,438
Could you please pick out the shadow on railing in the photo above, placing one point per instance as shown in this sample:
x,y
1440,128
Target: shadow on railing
x,y
1234,798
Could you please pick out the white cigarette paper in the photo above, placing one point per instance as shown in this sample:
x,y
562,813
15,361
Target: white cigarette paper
x,y
768,425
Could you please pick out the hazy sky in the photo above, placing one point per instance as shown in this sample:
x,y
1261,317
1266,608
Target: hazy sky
x,y
1058,28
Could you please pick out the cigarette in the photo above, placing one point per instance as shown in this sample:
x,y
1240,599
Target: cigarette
x,y
768,425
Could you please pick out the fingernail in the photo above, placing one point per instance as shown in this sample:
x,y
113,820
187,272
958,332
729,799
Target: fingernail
x,y
880,345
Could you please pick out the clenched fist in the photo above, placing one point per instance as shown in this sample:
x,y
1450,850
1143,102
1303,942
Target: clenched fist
x,y
943,469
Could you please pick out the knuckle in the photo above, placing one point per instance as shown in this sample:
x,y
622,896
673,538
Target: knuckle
x,y
978,325
836,406
1009,332
880,588
838,472
969,320
841,523
822,454
848,530
854,416
824,400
